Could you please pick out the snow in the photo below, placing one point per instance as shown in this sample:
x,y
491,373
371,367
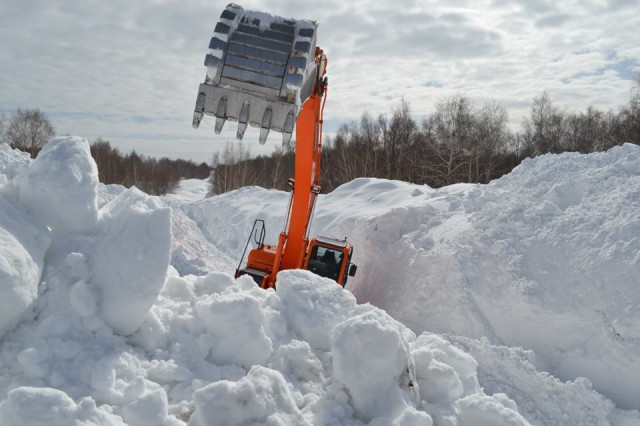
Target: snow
x,y
511,303
130,260
35,406
59,188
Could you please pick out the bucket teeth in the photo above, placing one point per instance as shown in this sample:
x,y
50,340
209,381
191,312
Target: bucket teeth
x,y
197,118
288,129
261,66
199,110
219,125
266,125
221,115
243,118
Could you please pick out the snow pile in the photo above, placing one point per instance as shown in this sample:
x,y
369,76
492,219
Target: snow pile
x,y
35,406
12,162
22,248
113,310
50,206
546,258
133,248
308,355
202,349
59,188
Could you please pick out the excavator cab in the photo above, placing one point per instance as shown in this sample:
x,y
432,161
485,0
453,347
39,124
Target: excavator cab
x,y
330,258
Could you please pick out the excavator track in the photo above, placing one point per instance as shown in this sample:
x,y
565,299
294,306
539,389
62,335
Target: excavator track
x,y
260,70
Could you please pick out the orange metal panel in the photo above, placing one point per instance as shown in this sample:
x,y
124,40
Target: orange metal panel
x,y
261,258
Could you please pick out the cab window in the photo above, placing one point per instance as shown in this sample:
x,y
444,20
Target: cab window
x,y
325,262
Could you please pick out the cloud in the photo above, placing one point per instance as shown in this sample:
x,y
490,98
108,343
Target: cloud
x,y
129,71
552,21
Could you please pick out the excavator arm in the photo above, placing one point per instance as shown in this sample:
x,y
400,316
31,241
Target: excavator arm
x,y
266,71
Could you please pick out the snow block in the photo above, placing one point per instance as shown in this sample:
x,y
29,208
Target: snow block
x,y
236,323
314,306
60,186
371,358
52,407
146,403
130,262
484,410
12,162
261,397
22,248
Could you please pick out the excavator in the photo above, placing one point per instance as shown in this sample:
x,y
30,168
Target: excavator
x,y
266,71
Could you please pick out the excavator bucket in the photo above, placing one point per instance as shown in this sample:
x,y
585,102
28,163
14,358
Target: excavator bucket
x,y
260,70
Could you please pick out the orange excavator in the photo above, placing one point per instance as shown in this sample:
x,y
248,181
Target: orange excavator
x,y
266,71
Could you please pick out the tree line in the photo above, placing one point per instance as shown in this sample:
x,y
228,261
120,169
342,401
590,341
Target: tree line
x,y
457,142
29,130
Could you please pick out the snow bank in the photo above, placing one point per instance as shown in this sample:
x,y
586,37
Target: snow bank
x,y
117,335
546,258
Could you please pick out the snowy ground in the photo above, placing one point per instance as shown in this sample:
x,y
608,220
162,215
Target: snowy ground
x,y
510,303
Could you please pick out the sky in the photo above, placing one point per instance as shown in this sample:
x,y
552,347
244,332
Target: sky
x,y
128,71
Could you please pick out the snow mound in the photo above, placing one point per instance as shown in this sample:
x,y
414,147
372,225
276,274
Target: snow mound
x,y
124,321
131,259
12,162
261,397
546,258
23,244
51,407
59,187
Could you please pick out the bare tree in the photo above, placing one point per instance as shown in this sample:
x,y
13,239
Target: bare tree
x,y
491,140
29,130
3,123
448,139
232,168
544,130
397,139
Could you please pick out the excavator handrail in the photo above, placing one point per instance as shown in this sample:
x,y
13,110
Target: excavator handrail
x,y
258,240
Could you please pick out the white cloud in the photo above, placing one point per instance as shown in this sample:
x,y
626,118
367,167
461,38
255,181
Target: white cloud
x,y
129,71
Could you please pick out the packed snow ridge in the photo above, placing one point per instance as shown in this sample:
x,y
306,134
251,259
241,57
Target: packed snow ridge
x,y
512,303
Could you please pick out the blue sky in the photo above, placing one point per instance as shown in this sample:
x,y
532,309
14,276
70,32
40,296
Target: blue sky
x,y
128,71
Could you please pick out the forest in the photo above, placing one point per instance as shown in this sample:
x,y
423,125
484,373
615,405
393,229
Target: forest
x,y
29,130
458,142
